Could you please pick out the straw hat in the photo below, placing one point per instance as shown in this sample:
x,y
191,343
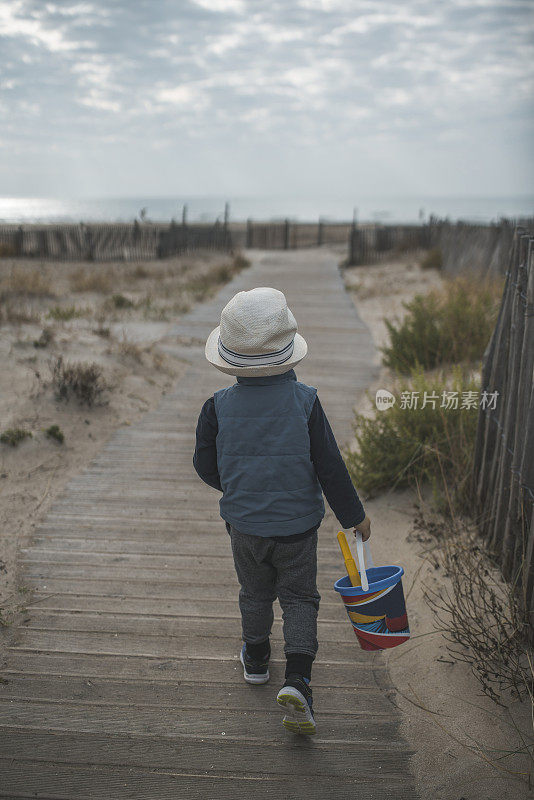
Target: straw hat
x,y
257,335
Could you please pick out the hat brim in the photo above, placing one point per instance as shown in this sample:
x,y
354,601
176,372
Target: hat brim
x,y
300,349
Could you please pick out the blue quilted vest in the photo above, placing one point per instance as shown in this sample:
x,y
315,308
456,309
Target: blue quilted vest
x,y
270,487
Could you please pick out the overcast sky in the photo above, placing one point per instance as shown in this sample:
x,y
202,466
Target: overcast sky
x,y
163,97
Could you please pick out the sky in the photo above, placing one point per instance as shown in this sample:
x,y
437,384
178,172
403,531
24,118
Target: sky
x,y
246,97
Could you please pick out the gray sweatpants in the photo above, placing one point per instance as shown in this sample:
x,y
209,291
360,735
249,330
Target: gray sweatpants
x,y
287,570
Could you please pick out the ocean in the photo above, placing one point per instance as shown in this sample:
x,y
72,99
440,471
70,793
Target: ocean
x,y
383,209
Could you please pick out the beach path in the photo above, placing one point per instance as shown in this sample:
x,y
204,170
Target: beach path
x,y
123,679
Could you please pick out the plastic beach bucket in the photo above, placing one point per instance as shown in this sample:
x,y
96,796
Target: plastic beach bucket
x,y
376,609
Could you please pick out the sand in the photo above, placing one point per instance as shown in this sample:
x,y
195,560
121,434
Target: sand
x,y
452,726
123,341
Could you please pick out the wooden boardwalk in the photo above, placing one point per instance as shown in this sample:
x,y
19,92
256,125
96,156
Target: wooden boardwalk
x,y
123,680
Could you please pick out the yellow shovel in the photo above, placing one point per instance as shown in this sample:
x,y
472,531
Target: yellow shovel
x,y
350,564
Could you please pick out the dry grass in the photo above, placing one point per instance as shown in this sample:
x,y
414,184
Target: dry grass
x,y
46,338
17,313
204,286
66,313
25,282
130,350
482,615
171,289
158,360
155,290
102,331
80,380
13,436
92,279
486,626
140,272
20,289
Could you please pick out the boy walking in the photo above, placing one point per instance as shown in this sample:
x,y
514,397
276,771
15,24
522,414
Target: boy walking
x,y
266,444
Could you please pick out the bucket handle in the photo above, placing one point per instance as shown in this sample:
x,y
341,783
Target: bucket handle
x,y
361,560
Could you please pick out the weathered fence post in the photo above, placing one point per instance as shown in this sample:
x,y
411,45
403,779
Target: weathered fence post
x,y
250,234
19,241
503,474
354,246
166,240
184,228
320,232
226,236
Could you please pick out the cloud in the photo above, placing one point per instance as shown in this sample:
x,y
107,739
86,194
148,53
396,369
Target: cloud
x,y
270,76
16,23
219,6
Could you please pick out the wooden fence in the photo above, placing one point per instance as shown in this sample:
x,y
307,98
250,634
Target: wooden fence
x,y
127,241
288,234
466,246
111,241
504,453
463,246
371,243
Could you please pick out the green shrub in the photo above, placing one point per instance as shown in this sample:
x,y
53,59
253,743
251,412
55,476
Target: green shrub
x,y
450,325
432,259
240,262
65,313
120,301
13,436
44,339
102,331
400,447
55,432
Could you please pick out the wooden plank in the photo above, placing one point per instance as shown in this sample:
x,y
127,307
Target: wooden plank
x,y
172,589
215,625
227,608
185,668
217,575
90,512
277,758
160,646
34,557
40,779
183,696
173,543
257,725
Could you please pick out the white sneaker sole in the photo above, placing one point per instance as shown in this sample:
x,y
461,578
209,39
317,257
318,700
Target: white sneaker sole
x,y
250,677
299,718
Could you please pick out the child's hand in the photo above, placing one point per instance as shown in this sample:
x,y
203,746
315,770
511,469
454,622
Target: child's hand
x,y
364,528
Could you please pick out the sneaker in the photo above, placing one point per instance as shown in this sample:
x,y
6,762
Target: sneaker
x,y
254,671
296,697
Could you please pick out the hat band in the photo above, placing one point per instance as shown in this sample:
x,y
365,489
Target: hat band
x,y
267,359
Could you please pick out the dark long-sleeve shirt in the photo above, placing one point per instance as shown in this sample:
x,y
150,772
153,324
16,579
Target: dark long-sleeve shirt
x,y
331,471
